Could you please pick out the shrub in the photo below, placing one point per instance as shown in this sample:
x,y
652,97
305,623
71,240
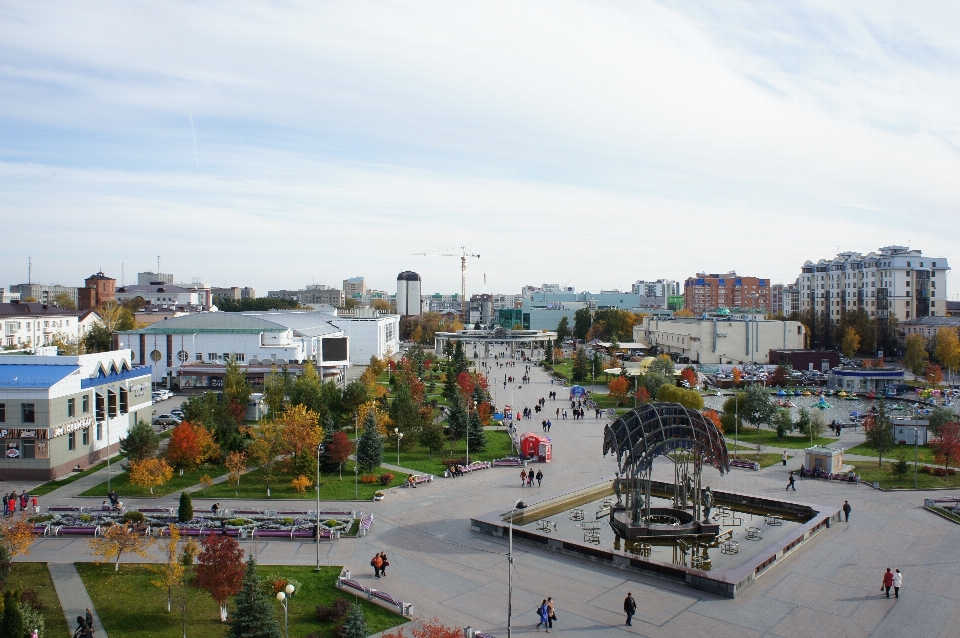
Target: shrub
x,y
86,518
925,469
368,478
334,612
449,462
32,598
288,521
43,518
386,478
133,517
331,522
238,522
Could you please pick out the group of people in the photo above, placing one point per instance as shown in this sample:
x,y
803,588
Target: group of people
x,y
379,563
547,613
526,478
84,626
10,503
115,500
892,579
455,470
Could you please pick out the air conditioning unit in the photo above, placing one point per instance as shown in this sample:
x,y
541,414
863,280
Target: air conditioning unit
x,y
254,361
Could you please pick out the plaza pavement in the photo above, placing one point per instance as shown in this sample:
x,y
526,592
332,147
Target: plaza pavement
x,y
829,587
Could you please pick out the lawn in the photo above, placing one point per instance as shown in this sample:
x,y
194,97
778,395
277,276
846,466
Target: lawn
x,y
50,486
112,593
253,486
870,473
925,453
121,483
750,435
498,446
37,576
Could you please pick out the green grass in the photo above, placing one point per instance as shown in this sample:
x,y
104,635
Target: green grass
x,y
121,483
870,473
766,459
750,435
112,593
925,453
37,576
498,446
253,486
50,486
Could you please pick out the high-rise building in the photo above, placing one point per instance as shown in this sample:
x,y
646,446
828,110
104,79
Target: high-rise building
x,y
707,292
408,293
355,286
44,293
658,288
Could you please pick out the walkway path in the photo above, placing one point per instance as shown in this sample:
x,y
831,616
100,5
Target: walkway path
x,y
73,596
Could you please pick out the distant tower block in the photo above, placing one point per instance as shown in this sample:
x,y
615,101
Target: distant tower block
x,y
408,293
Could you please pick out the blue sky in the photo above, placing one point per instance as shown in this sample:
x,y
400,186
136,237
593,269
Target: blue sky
x,y
278,144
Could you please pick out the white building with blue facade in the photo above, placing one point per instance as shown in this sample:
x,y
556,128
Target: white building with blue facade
x,y
60,412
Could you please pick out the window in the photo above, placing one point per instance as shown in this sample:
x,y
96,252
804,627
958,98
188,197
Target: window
x,y
212,356
71,407
199,356
85,403
99,431
124,401
72,441
27,414
3,412
112,403
29,449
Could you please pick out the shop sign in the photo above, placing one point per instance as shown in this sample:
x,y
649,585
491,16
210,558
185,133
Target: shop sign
x,y
85,422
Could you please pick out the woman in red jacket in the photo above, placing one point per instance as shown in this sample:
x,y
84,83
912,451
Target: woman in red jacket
x,y
887,582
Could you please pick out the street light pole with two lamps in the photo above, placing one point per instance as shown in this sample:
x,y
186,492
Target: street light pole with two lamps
x,y
397,433
284,598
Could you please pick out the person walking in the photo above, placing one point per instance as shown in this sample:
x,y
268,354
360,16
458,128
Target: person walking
x,y
539,477
887,581
530,478
89,619
801,471
384,563
630,607
783,458
36,508
544,617
523,478
897,583
846,511
792,482
376,563
551,615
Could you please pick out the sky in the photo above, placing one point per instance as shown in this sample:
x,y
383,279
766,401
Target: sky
x,y
589,144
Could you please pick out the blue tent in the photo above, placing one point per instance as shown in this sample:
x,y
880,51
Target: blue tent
x,y
577,391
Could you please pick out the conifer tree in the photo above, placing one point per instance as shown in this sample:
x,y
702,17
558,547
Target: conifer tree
x,y
255,616
355,625
11,623
185,512
478,438
370,445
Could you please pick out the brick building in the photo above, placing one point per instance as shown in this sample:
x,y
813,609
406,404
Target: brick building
x,y
707,292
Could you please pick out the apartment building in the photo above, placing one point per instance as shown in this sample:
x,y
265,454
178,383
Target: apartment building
x,y
707,292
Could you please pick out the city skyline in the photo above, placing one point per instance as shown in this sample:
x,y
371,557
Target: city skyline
x,y
580,144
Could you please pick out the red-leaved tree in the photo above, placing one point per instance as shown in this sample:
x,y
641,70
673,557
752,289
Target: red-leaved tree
x,y
183,449
946,445
432,628
339,449
690,376
220,569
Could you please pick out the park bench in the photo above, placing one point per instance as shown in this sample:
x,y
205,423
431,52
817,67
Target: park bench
x,y
366,523
249,512
750,465
337,514
509,462
155,510
41,530
206,531
53,509
294,513
417,479
76,531
352,584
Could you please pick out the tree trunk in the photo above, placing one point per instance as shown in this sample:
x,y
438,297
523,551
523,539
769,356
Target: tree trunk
x,y
223,612
116,565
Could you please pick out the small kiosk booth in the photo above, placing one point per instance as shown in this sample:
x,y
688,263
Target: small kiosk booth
x,y
536,446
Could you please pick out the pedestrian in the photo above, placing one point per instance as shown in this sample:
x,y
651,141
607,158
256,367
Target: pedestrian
x,y
6,507
89,619
376,562
897,583
549,425
846,511
792,482
887,581
83,630
630,607
523,478
530,478
551,613
543,615
539,477
215,509
384,563
23,501
36,508
12,504
783,458
801,471
544,425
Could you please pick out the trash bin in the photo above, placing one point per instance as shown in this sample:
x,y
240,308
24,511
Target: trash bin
x,y
346,573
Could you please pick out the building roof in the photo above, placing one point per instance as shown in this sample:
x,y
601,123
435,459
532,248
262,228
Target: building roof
x,y
100,275
154,288
932,321
224,322
34,376
305,323
21,309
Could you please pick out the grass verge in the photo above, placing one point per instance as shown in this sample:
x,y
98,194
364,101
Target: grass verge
x,y
888,478
112,593
121,483
925,453
498,446
752,436
37,576
50,486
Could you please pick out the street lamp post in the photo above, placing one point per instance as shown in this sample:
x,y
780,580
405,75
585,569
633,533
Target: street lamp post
x,y
397,433
519,505
356,481
284,598
319,450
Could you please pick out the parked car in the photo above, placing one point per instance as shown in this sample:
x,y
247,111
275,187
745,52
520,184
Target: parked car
x,y
177,412
166,419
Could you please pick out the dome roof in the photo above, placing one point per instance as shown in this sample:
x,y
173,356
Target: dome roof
x,y
408,275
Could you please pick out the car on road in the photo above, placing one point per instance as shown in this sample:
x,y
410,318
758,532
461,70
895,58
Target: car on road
x,y
166,419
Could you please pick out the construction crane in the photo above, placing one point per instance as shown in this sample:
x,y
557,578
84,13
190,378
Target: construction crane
x,y
463,274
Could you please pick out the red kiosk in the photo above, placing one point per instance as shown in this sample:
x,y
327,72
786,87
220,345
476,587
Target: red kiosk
x,y
536,446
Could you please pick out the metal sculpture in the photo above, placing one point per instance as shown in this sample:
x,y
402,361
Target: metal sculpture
x,y
671,430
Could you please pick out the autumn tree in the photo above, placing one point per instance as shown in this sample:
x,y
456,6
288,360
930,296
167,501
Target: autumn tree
x,y
933,374
642,395
182,450
946,348
171,573
851,343
301,483
339,450
275,387
946,444
120,539
432,628
236,393
618,388
236,464
150,473
207,449
220,569
737,376
689,377
264,449
714,417
16,535
915,354
879,434
301,434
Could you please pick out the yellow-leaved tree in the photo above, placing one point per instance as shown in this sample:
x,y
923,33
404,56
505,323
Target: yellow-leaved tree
x,y
118,540
383,419
150,473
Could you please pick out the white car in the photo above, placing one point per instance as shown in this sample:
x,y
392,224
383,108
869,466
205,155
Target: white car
x,y
166,419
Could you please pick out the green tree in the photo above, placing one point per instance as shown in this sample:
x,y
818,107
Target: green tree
x,y
457,418
405,413
63,300
563,330
255,615
940,416
581,366
236,390
803,421
11,623
370,445
141,442
478,438
431,437
653,380
227,304
596,365
880,435
663,365
782,421
275,391
460,361
582,319
548,352
757,408
915,355
98,339
185,511
733,407
355,625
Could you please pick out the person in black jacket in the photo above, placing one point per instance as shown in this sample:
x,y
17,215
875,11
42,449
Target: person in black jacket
x,y
630,607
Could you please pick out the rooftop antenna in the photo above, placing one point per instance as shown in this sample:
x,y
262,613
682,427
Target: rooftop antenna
x,y
29,269
158,266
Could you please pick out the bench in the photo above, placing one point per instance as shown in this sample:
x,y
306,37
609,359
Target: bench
x,y
78,531
64,508
250,512
509,463
155,510
417,479
40,529
366,522
205,531
754,534
750,465
352,584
